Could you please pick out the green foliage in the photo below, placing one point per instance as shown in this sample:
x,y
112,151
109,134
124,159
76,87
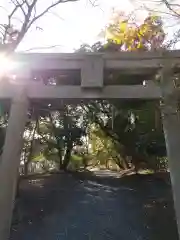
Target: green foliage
x,y
76,162
103,147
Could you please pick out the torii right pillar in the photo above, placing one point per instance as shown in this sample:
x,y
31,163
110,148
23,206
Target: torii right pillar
x,y
171,126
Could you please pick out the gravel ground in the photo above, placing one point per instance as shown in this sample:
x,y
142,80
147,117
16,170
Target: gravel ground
x,y
94,206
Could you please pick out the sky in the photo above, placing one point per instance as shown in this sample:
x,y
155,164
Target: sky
x,y
71,24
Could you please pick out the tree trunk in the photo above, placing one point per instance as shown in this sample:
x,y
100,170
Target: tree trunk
x,y
124,159
84,159
67,156
125,163
58,143
60,158
107,163
118,162
26,164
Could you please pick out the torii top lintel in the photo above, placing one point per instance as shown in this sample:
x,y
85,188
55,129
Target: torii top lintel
x,y
92,67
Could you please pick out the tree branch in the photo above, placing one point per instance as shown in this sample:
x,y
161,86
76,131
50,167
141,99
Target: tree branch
x,y
47,10
28,20
19,5
157,11
9,24
169,6
24,27
40,48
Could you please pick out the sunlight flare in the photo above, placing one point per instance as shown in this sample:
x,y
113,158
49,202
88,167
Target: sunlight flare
x,y
6,65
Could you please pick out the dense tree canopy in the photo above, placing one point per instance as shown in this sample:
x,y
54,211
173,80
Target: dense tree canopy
x,y
134,126
131,36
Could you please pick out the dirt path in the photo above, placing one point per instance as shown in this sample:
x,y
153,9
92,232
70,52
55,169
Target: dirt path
x,y
97,206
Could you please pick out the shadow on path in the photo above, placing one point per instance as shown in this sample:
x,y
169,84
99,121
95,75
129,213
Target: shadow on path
x,y
95,205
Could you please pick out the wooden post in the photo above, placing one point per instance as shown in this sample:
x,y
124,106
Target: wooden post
x,y
11,159
171,126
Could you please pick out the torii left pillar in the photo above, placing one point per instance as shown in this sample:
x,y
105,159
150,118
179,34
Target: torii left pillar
x,y
9,164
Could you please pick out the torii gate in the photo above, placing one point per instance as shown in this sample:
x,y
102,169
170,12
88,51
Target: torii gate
x,y
91,69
